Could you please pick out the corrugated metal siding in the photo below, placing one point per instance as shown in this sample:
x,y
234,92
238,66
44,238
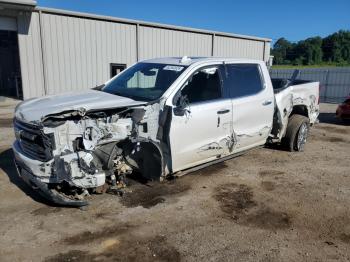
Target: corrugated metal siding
x,y
78,51
158,42
30,55
267,51
239,48
335,82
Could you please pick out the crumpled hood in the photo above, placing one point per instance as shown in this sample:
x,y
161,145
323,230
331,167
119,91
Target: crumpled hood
x,y
34,109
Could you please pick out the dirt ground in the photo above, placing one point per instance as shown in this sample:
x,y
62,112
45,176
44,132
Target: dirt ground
x,y
268,205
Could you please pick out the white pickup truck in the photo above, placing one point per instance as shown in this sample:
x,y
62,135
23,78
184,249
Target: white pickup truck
x,y
160,117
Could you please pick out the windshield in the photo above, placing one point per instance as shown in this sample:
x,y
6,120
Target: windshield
x,y
144,81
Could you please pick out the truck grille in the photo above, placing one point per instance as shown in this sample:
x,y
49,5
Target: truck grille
x,y
33,142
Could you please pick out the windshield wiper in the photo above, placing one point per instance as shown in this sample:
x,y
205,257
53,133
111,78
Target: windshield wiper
x,y
98,88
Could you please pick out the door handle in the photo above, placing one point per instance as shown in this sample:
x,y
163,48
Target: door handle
x,y
223,111
267,102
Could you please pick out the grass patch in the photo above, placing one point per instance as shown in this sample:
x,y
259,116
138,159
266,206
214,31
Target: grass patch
x,y
308,66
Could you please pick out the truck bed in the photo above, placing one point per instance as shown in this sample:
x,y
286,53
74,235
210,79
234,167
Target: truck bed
x,y
280,84
294,95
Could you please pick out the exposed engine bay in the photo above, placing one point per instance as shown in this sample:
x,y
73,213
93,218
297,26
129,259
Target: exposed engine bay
x,y
92,152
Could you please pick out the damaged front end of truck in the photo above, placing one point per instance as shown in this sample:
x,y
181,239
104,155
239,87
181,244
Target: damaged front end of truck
x,y
71,145
69,155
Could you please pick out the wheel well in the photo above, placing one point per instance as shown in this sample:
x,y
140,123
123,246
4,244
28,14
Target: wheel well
x,y
300,110
146,157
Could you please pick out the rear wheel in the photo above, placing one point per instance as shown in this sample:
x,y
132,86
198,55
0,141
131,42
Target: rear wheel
x,y
296,133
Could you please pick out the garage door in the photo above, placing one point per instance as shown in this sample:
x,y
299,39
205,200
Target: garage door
x,y
8,23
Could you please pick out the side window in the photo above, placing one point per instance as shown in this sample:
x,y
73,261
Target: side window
x,y
243,80
204,85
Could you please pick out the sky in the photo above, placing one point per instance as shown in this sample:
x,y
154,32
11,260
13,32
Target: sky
x,y
294,19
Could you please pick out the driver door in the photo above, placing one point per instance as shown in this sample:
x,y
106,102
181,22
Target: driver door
x,y
201,124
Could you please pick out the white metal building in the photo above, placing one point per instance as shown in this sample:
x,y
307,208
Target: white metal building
x,y
48,51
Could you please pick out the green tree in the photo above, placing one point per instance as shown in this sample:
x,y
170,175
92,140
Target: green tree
x,y
280,50
309,51
336,47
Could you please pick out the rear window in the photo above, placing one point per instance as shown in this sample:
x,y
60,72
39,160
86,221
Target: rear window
x,y
243,80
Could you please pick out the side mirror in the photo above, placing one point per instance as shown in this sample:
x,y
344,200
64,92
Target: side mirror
x,y
182,106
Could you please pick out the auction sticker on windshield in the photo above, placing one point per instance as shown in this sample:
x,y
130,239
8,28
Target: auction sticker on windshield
x,y
173,68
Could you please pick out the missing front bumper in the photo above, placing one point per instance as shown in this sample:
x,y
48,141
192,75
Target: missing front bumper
x,y
44,190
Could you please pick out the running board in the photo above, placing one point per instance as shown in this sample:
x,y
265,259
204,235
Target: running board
x,y
216,161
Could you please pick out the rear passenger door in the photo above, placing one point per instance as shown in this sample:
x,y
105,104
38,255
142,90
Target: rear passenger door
x,y
252,104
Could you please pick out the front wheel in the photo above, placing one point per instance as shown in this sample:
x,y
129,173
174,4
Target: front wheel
x,y
296,133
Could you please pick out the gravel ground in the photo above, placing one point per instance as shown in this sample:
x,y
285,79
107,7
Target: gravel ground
x,y
268,205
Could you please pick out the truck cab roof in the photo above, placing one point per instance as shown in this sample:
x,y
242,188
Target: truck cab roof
x,y
187,61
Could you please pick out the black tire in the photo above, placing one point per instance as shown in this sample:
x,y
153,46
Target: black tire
x,y
296,133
